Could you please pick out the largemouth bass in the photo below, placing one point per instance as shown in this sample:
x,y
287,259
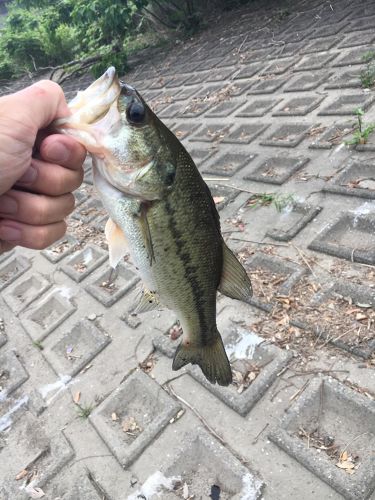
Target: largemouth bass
x,y
162,212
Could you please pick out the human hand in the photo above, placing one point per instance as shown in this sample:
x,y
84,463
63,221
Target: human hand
x,y
36,193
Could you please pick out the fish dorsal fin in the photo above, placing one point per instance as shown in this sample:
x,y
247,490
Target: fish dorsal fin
x,y
117,243
234,283
148,301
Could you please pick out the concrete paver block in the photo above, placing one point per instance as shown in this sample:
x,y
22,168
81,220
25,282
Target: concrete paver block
x,y
83,262
350,237
346,419
356,179
12,374
76,348
287,227
12,269
43,316
20,294
141,408
277,169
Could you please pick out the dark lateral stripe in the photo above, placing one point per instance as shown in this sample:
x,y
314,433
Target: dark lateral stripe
x,y
190,272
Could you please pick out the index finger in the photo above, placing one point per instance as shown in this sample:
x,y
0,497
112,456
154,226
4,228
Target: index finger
x,y
36,106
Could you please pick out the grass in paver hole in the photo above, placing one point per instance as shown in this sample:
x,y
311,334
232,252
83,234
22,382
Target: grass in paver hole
x,y
279,201
343,458
361,135
38,345
84,410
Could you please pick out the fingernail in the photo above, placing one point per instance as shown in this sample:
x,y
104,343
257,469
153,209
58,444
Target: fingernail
x,y
29,177
8,205
57,152
9,233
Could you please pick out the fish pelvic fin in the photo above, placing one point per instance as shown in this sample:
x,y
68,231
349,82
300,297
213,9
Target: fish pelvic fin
x,y
117,244
211,359
234,283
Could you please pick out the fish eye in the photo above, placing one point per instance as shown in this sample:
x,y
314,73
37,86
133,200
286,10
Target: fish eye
x,y
136,113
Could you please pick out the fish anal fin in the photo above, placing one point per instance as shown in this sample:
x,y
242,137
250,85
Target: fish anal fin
x,y
234,283
147,302
211,359
117,243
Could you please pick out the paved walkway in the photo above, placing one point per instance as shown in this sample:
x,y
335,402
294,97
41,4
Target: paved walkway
x,y
89,406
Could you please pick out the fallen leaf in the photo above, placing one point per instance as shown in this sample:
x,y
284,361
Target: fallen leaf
x,y
185,491
344,456
360,316
114,416
129,424
345,464
77,397
21,474
218,199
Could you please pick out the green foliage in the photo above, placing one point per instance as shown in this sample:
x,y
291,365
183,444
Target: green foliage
x,y
367,75
279,201
361,135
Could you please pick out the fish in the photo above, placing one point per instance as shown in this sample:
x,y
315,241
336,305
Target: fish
x,y
162,212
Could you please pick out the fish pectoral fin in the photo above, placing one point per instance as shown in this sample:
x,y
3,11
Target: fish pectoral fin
x,y
146,234
234,283
117,244
211,358
148,301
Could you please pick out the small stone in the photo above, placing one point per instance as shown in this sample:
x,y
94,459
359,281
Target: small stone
x,y
92,317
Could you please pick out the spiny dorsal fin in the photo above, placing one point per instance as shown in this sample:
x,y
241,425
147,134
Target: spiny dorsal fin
x,y
234,283
117,244
148,301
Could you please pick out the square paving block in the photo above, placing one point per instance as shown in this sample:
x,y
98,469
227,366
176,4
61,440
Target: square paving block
x,y
298,106
277,169
354,39
292,220
257,55
89,210
350,237
366,22
329,30
176,81
347,104
207,91
354,56
346,80
211,133
258,107
19,295
320,45
228,164
77,348
279,66
42,455
314,61
333,136
272,276
132,416
244,134
182,130
196,78
185,93
42,317
171,111
83,262
328,421
306,81
13,268
267,85
109,286
203,462
60,249
255,367
288,135
201,155
356,179
12,374
220,75
239,87
194,108
224,109
248,71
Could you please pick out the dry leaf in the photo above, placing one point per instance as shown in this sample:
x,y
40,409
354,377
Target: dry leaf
x,y
344,456
360,316
114,416
22,474
218,199
345,464
77,397
129,424
185,491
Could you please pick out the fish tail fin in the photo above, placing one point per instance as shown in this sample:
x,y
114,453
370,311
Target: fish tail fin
x,y
211,358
